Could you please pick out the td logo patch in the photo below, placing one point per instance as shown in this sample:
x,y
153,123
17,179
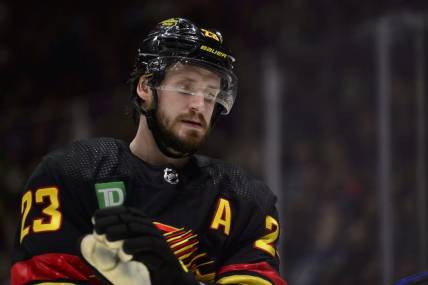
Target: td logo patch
x,y
110,194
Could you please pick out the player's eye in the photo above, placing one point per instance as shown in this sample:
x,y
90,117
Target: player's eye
x,y
209,96
184,91
183,88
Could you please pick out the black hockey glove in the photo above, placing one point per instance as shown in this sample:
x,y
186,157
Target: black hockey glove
x,y
136,246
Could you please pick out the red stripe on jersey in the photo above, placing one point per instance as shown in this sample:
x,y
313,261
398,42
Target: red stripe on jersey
x,y
164,227
48,267
261,268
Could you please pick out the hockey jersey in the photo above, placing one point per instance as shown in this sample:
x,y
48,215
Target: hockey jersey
x,y
219,222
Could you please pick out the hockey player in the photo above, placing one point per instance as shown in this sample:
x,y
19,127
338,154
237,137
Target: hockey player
x,y
102,211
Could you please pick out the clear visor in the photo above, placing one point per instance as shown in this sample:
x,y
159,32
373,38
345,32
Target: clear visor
x,y
197,78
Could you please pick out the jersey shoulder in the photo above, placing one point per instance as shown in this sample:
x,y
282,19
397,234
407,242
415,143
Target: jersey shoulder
x,y
88,159
232,180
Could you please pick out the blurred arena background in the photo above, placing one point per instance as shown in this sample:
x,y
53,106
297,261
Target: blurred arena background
x,y
331,112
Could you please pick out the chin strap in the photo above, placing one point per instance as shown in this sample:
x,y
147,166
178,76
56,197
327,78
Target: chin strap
x,y
153,124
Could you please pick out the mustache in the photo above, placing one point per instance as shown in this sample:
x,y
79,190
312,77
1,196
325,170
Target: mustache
x,y
193,117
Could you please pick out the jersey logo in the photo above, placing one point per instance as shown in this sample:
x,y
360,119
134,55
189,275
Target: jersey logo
x,y
185,245
170,176
110,194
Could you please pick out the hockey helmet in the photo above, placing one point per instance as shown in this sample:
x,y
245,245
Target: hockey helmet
x,y
178,40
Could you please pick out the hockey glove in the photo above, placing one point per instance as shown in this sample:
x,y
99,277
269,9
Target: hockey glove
x,y
111,263
137,239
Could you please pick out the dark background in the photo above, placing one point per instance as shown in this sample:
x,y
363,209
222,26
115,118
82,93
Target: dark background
x,y
64,67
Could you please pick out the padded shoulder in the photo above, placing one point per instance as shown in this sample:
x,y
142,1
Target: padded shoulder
x,y
233,180
89,159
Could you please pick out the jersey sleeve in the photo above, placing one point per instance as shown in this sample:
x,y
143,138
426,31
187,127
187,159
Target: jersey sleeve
x,y
53,219
253,257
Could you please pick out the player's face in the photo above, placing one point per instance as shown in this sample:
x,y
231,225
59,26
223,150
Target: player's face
x,y
186,104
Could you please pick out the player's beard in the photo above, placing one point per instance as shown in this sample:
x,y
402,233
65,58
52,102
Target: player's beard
x,y
193,138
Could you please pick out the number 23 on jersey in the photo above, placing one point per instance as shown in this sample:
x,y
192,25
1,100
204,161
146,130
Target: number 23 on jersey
x,y
50,217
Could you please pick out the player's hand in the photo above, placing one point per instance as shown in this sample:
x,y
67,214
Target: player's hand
x,y
138,240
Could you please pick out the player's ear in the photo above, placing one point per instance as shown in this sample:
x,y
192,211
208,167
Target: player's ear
x,y
144,92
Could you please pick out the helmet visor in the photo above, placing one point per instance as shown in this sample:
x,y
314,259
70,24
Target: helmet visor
x,y
221,86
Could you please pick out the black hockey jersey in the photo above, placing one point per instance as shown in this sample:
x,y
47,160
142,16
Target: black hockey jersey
x,y
222,224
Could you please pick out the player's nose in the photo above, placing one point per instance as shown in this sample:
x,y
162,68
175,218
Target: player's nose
x,y
197,102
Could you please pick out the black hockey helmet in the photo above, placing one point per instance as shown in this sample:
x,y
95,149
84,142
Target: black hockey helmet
x,y
178,40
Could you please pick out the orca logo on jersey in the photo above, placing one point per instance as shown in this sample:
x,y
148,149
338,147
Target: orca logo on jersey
x,y
185,245
110,194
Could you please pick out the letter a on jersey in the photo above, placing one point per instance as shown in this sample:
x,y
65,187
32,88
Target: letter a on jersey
x,y
223,216
110,194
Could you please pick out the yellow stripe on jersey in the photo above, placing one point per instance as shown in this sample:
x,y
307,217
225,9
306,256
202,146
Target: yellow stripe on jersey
x,y
243,280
